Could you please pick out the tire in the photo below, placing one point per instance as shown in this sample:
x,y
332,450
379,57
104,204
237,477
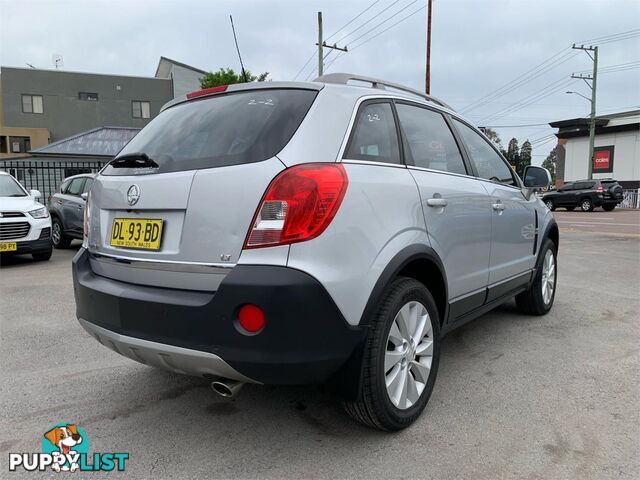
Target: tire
x,y
375,406
570,209
586,205
608,208
533,301
42,256
550,205
59,239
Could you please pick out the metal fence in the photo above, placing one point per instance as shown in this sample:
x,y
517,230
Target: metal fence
x,y
630,199
46,174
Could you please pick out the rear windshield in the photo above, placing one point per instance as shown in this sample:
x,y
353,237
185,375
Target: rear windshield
x,y
231,129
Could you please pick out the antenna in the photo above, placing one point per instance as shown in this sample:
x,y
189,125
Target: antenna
x,y
56,58
244,73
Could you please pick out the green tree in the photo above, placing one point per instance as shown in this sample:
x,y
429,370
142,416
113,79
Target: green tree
x,y
227,76
493,136
512,153
525,158
550,163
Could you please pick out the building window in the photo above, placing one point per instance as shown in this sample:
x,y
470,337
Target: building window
x,y
140,109
3,145
32,103
20,144
91,97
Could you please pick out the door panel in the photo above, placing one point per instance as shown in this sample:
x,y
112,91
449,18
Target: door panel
x,y
460,231
513,232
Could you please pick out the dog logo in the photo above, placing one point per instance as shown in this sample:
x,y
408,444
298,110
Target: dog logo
x,y
133,194
65,438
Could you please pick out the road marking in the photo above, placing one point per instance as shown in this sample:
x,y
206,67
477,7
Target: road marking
x,y
604,224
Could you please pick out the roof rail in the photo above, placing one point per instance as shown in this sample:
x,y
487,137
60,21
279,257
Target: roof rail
x,y
344,78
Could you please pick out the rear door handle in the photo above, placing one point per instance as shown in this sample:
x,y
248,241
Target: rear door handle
x,y
498,207
437,202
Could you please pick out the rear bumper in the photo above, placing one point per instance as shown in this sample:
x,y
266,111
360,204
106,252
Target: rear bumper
x,y
306,340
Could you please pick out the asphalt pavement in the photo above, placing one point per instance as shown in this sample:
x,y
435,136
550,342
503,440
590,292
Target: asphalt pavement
x,y
553,397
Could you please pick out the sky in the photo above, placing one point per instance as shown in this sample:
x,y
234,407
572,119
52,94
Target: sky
x,y
501,63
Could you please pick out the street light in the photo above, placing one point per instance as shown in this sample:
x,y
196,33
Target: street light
x,y
583,96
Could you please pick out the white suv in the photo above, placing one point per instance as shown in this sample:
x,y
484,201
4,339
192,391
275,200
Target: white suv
x,y
305,233
25,225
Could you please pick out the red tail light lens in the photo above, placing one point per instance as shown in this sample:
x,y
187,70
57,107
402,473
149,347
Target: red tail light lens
x,y
298,205
600,189
251,318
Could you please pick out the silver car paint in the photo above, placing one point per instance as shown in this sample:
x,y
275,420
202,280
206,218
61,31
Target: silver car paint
x,y
383,212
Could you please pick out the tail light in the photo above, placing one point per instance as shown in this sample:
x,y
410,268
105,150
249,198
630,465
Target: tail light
x,y
298,205
600,189
85,221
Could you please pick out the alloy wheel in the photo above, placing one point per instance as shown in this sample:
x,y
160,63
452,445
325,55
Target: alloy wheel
x,y
409,355
56,234
548,277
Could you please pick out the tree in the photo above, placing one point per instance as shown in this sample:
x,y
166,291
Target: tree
x,y
525,158
512,153
550,163
227,76
493,136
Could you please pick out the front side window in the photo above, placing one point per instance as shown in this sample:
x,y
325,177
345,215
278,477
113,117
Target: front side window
x,y
87,185
32,104
374,136
488,163
430,141
140,109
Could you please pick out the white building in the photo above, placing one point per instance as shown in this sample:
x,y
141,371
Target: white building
x,y
185,78
616,148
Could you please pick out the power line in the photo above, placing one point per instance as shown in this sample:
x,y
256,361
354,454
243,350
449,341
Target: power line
x,y
376,35
605,37
352,20
368,21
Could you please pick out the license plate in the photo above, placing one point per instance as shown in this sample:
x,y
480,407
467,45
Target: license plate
x,y
144,233
8,246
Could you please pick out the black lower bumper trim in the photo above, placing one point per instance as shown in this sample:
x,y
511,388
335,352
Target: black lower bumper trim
x,y
305,341
42,245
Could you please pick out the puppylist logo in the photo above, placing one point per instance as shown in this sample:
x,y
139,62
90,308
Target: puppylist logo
x,y
65,448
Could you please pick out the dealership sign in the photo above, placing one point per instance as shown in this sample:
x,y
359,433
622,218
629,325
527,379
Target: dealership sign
x,y
603,159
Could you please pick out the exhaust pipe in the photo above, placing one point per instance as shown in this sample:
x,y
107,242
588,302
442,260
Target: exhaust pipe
x,y
226,388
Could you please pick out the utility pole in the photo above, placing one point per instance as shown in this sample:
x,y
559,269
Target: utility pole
x,y
594,79
427,80
322,45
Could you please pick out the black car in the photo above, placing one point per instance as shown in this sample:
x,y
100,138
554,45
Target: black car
x,y
586,195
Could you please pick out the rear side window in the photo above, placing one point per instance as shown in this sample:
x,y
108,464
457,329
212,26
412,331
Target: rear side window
x,y
489,164
75,187
584,186
431,143
230,129
374,136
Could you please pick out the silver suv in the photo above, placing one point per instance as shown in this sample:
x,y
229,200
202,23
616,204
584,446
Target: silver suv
x,y
310,233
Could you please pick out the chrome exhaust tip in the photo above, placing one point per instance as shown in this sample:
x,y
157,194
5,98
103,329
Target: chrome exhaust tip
x,y
226,388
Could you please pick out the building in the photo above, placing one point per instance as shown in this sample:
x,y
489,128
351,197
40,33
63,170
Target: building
x,y
45,168
184,78
616,148
58,104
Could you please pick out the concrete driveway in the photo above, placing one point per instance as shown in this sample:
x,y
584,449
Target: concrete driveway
x,y
516,397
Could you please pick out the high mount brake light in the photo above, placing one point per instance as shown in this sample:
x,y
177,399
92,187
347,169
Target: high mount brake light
x,y
298,205
207,91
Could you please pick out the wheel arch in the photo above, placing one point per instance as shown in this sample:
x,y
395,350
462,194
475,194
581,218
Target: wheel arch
x,y
552,232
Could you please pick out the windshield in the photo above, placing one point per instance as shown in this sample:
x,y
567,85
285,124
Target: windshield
x,y
231,129
10,188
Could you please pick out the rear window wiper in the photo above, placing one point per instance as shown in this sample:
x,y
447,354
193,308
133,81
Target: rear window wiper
x,y
133,160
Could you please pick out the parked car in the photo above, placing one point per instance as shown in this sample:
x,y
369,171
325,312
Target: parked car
x,y
25,225
586,195
306,233
67,209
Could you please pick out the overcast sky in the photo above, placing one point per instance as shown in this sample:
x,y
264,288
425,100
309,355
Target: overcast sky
x,y
478,46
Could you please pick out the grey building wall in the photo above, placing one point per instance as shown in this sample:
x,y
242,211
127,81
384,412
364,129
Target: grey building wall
x,y
184,80
64,114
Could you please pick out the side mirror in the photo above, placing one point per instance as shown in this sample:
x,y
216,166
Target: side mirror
x,y
85,195
536,177
35,194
